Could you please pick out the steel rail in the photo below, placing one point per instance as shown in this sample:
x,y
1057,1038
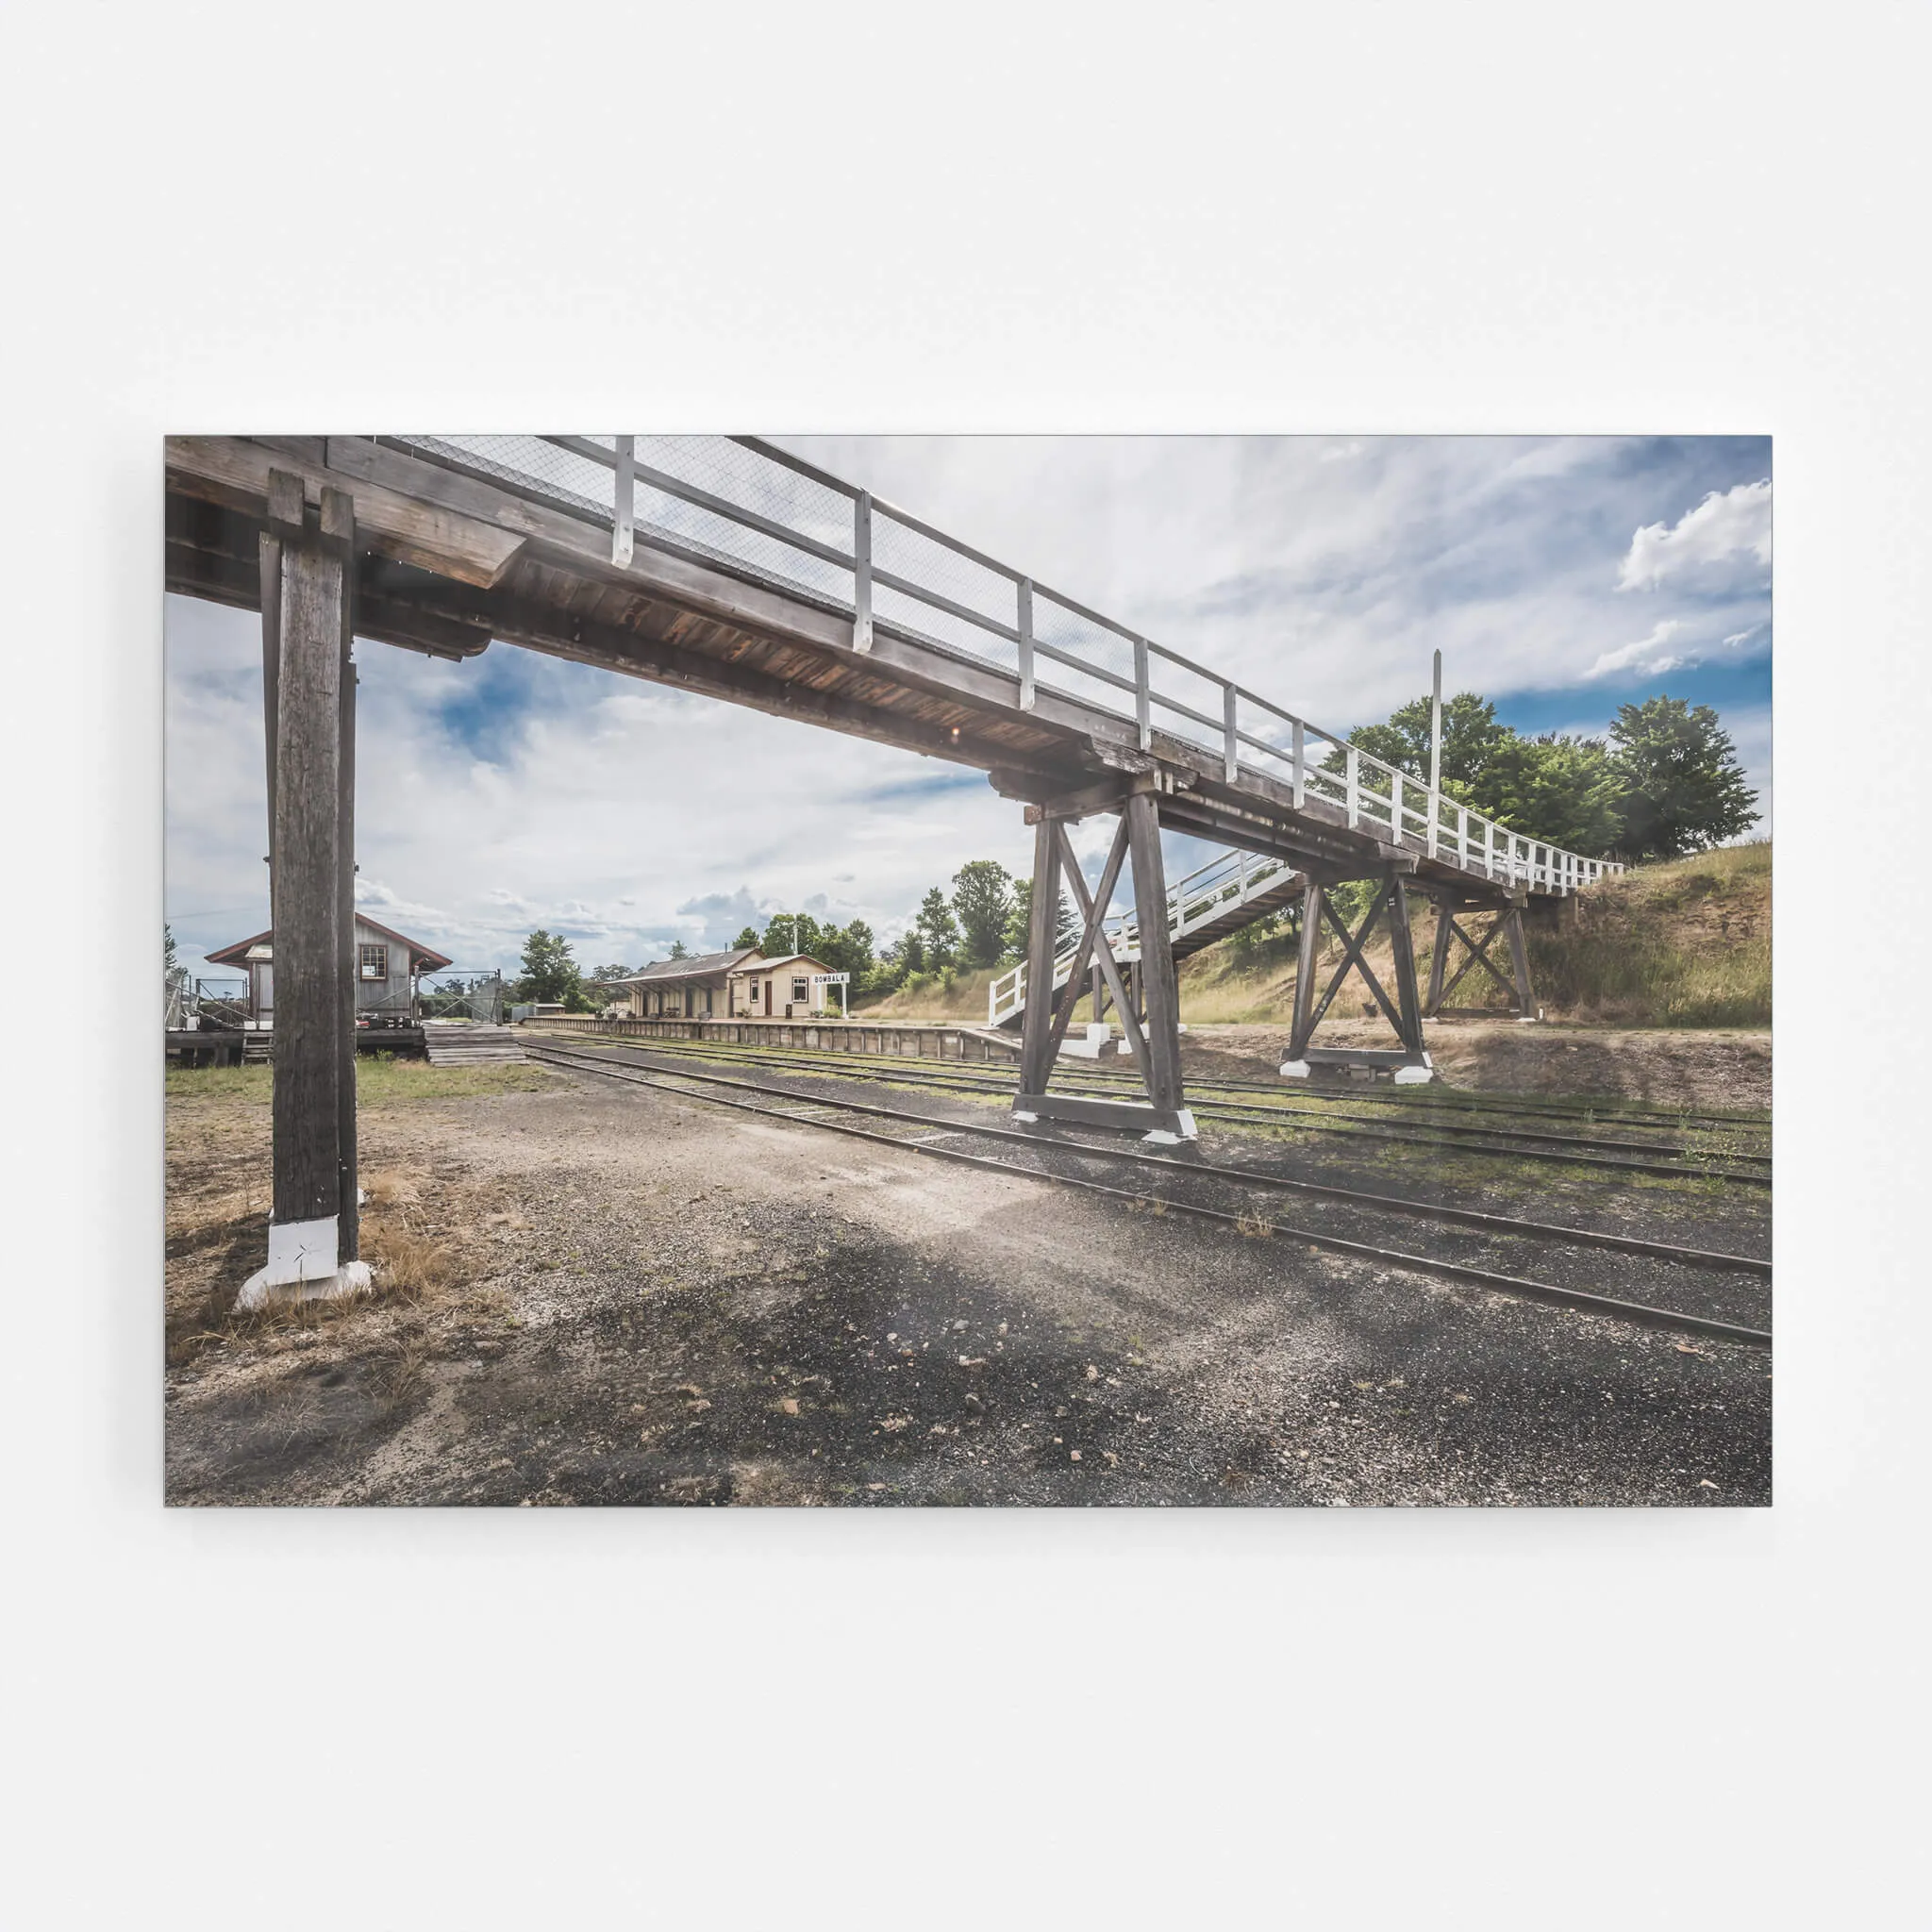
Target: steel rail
x,y
1464,1102
1510,1284
1437,1100
1395,1203
1301,1119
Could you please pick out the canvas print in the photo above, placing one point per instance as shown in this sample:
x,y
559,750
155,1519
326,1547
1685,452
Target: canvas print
x,y
999,971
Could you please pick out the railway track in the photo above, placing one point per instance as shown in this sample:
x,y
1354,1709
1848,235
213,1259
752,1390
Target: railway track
x,y
1181,1183
1648,1159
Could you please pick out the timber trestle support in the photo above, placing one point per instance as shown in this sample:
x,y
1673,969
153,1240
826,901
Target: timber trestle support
x,y
1387,907
1507,925
1146,997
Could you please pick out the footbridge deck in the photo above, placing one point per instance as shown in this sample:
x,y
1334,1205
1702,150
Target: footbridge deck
x,y
725,566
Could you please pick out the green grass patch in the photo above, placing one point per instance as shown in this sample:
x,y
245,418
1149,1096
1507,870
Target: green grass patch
x,y
380,1082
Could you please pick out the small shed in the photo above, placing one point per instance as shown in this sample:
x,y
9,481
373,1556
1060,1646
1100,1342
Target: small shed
x,y
387,965
793,988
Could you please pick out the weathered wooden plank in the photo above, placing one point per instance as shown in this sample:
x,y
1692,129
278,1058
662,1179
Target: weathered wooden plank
x,y
305,881
1160,987
1135,1116
1036,1050
338,521
234,471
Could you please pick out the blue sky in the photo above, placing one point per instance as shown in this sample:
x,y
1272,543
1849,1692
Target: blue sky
x,y
1560,577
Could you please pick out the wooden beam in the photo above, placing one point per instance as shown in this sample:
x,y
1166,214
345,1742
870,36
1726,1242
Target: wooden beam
x,y
1134,1116
1402,956
1519,959
338,533
306,880
234,470
1439,955
1036,1022
1302,1024
1158,984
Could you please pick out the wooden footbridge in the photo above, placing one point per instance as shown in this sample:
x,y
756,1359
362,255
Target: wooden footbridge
x,y
726,567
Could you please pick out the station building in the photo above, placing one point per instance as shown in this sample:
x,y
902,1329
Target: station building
x,y
387,967
735,985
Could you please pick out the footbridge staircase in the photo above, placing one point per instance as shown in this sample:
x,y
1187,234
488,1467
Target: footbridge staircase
x,y
1219,898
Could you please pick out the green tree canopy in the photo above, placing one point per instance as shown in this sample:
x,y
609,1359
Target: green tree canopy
x,y
983,899
938,931
1561,790
550,973
747,941
1470,738
679,950
1682,786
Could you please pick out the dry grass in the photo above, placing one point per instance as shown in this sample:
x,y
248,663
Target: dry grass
x,y
959,995
1257,1226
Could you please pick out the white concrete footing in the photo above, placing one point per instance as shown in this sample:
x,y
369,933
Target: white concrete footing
x,y
1092,1045
1160,1137
352,1277
1413,1076
303,1266
1026,1119
1295,1070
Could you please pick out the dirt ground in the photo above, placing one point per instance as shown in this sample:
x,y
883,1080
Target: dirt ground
x,y
601,1293
1666,1067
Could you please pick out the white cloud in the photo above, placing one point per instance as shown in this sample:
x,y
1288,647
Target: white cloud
x,y
1647,655
1734,523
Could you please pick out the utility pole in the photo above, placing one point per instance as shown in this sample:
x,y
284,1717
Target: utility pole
x,y
1435,732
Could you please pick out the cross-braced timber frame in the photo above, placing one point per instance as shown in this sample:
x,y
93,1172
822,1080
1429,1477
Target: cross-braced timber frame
x,y
1389,906
1506,924
1149,1008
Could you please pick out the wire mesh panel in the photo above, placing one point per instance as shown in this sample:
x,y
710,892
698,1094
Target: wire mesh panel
x,y
990,596
753,483
1093,648
532,466
1187,702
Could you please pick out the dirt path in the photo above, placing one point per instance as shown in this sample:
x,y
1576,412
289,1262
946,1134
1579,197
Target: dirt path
x,y
639,1298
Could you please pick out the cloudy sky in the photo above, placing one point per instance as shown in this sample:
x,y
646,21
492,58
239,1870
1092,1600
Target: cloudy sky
x,y
1560,577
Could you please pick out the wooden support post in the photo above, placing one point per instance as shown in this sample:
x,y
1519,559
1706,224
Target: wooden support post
x,y
1402,953
1439,960
311,1239
1519,960
1159,986
339,532
1037,1027
1303,1023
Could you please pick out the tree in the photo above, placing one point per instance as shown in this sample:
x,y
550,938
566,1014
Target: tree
x,y
938,932
1555,789
1470,737
983,899
1682,788
602,973
791,932
550,974
680,950
1019,919
909,953
748,941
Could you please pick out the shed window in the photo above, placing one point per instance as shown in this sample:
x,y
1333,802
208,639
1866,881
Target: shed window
x,y
800,991
374,962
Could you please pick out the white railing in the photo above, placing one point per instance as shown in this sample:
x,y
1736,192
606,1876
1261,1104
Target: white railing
x,y
1218,887
743,504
